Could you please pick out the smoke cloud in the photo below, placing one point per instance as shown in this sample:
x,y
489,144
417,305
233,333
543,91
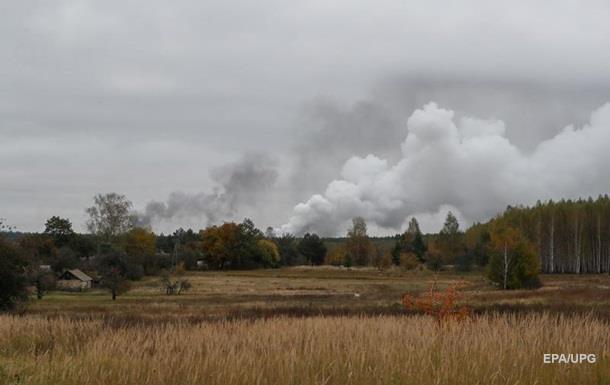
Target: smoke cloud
x,y
468,166
237,185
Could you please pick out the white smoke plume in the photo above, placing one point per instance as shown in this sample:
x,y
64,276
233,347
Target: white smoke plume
x,y
239,184
469,166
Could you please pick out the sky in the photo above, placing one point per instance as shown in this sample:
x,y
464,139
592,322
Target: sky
x,y
301,115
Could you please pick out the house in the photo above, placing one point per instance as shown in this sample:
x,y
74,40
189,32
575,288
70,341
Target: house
x,y
74,280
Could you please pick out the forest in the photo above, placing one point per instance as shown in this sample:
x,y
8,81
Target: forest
x,y
570,236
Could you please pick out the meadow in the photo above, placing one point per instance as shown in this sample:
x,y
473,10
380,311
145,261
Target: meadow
x,y
326,291
310,326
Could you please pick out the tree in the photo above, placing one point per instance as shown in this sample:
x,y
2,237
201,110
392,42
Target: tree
x,y
477,241
312,248
269,253
287,246
418,245
140,242
359,247
110,215
39,247
113,271
449,241
248,253
409,261
397,250
13,280
382,259
336,256
434,257
514,264
60,229
220,244
412,241
66,259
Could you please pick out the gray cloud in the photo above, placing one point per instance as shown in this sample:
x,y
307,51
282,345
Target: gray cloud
x,y
468,165
147,97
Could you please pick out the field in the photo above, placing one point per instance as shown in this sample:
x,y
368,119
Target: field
x,y
310,326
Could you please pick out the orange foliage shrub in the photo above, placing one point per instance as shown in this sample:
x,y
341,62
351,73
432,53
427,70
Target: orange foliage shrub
x,y
440,304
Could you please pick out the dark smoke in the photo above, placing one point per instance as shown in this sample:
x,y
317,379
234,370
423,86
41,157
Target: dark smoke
x,y
237,185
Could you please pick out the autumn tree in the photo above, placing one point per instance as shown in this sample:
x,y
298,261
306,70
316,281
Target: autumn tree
x,y
234,245
270,254
219,244
336,256
514,263
140,242
382,259
358,246
312,249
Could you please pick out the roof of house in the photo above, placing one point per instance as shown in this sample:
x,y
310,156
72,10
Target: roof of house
x,y
79,274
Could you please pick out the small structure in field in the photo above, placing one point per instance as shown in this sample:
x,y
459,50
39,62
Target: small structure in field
x,y
74,279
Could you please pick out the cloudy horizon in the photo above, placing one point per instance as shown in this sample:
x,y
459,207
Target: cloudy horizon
x,y
201,112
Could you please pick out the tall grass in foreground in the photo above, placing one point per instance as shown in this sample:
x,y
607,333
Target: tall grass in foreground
x,y
338,350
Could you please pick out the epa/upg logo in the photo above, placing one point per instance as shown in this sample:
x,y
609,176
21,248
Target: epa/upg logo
x,y
578,358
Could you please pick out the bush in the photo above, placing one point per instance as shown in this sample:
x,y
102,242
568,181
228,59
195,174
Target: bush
x,y
409,261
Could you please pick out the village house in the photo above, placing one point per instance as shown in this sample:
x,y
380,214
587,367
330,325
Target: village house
x,y
74,279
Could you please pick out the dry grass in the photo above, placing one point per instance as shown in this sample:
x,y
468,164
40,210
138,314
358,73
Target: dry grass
x,y
491,349
322,291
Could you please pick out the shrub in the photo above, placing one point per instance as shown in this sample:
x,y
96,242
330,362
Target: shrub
x,y
442,305
409,261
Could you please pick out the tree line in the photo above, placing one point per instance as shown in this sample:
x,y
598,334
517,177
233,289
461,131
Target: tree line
x,y
552,237
569,236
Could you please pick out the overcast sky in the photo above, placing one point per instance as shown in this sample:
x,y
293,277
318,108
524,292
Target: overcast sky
x,y
216,110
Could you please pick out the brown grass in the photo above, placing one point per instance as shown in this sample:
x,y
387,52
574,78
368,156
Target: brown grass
x,y
490,349
321,291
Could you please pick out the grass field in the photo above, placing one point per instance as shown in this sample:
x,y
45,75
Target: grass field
x,y
310,326
308,291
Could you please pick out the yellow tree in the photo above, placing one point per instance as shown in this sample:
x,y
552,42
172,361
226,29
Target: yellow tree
x,y
140,242
270,254
514,263
219,244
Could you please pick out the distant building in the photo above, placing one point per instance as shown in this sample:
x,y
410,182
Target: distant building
x,y
74,280
45,268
